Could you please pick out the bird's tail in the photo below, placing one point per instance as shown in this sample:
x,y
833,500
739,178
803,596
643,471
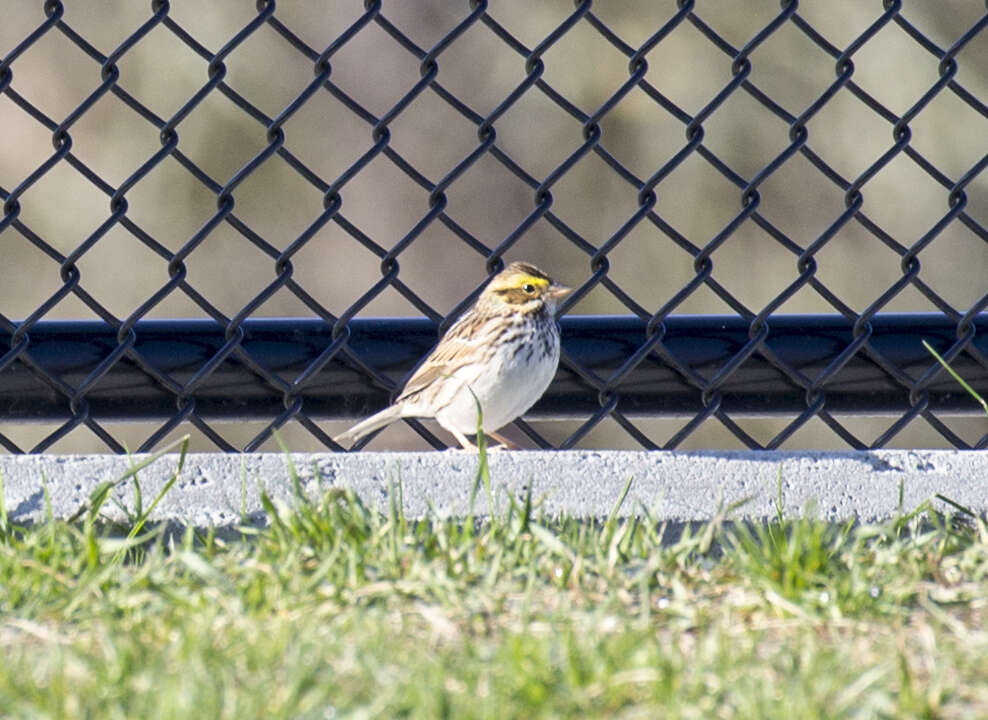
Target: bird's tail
x,y
365,427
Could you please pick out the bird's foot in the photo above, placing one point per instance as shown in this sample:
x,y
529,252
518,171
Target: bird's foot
x,y
473,449
505,443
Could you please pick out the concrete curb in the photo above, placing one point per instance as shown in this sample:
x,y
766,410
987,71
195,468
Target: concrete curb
x,y
218,490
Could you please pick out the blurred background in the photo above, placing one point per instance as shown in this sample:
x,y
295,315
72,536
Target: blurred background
x,y
162,72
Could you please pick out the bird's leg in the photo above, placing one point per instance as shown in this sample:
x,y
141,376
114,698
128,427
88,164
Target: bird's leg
x,y
505,443
465,445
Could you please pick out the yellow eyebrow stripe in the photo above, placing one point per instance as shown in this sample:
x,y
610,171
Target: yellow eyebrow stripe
x,y
517,282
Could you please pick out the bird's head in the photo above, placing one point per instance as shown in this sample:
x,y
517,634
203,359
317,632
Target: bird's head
x,y
524,288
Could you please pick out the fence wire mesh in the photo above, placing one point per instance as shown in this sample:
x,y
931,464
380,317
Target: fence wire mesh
x,y
341,161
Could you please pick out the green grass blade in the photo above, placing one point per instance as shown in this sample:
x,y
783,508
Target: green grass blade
x,y
99,495
953,373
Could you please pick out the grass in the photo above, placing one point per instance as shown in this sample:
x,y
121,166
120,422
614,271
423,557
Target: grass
x,y
335,610
960,381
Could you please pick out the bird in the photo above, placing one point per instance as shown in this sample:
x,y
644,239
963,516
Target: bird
x,y
502,353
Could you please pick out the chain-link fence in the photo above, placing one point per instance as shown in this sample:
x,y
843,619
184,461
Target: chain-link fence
x,y
765,208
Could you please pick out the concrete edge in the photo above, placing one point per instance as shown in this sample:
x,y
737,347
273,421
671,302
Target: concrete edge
x,y
218,490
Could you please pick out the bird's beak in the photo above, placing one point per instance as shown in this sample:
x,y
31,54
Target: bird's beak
x,y
558,292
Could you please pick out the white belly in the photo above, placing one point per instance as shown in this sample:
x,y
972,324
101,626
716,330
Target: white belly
x,y
504,395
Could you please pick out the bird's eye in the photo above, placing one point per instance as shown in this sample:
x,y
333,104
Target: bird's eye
x,y
529,289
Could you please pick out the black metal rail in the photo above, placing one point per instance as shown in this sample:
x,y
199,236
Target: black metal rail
x,y
798,350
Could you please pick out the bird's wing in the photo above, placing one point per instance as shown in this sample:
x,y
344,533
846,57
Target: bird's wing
x,y
457,349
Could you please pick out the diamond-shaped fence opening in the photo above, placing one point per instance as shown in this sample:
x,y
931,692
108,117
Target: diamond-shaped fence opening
x,y
227,220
